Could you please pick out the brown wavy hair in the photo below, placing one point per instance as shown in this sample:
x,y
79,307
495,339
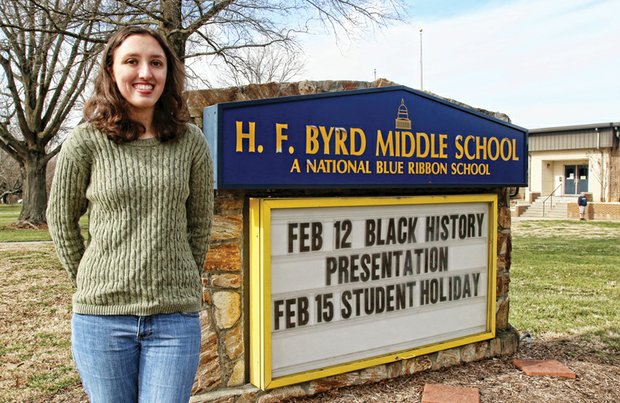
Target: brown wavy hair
x,y
108,111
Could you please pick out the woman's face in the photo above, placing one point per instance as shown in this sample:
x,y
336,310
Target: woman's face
x,y
139,69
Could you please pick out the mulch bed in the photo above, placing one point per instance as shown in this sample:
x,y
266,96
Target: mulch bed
x,y
598,377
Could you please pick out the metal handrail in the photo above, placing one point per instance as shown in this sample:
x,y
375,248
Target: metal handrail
x,y
550,196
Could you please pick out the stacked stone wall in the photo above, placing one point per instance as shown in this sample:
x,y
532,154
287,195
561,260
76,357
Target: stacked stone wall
x,y
222,357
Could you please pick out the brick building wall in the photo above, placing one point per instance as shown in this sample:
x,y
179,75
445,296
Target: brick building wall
x,y
596,211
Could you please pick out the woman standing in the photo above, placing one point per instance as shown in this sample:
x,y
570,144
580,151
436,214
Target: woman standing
x,y
144,174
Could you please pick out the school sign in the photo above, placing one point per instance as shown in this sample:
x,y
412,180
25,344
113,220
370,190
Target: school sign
x,y
343,283
383,137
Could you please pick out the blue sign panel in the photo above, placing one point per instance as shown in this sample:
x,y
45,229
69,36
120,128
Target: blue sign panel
x,y
381,137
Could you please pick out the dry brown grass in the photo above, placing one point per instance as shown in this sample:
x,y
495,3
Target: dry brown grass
x,y
35,326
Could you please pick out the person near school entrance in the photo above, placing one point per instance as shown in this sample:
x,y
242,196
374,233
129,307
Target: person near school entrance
x,y
582,202
144,174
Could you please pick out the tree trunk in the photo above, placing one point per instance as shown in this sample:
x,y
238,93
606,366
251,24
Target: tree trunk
x,y
35,193
177,42
172,26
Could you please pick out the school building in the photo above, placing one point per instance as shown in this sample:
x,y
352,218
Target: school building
x,y
565,161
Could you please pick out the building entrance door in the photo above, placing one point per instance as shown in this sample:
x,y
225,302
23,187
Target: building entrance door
x,y
576,179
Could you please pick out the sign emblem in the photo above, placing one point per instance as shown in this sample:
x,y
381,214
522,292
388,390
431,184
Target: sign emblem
x,y
402,119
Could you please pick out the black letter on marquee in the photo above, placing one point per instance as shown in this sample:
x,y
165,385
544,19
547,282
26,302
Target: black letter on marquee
x,y
291,236
317,236
277,305
370,232
302,311
345,311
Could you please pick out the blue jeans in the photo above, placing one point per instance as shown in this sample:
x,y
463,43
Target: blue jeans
x,y
136,358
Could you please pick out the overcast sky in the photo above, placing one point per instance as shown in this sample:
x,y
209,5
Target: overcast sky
x,y
543,62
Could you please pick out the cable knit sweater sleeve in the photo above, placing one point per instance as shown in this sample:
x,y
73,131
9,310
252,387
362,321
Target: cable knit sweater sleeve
x,y
68,202
199,205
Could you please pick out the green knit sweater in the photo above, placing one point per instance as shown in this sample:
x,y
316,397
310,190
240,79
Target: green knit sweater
x,y
150,210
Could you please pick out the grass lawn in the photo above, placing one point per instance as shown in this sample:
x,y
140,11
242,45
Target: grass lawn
x,y
565,279
9,214
564,283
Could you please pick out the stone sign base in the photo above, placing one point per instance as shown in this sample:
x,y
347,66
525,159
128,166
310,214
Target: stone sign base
x,y
224,368
506,343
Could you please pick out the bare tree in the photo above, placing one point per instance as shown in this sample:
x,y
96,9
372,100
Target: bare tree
x,y
46,63
220,31
262,65
600,167
10,178
222,27
48,49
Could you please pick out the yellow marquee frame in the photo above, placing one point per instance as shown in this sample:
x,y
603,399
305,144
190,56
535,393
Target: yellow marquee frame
x,y
260,281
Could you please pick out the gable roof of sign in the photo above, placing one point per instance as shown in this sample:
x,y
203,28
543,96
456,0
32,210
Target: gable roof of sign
x,y
199,99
